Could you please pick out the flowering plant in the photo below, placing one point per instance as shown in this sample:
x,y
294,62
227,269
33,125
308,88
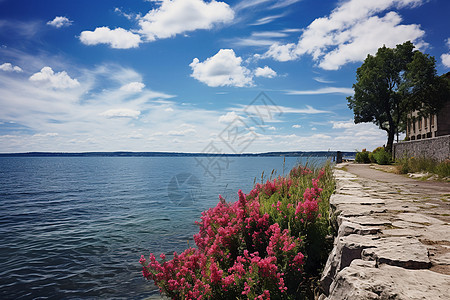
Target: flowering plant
x,y
255,248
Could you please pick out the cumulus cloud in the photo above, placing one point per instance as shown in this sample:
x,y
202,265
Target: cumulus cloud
x,y
59,22
446,59
118,38
173,17
282,52
350,32
133,87
228,117
222,69
170,18
296,126
8,67
446,56
265,72
59,80
343,124
121,113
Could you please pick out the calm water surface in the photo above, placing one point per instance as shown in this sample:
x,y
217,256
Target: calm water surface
x,y
75,227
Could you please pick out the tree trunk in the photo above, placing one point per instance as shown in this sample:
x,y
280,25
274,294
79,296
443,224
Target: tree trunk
x,y
390,141
391,132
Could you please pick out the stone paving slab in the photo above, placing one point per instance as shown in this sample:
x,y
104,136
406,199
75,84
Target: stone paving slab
x,y
393,240
364,280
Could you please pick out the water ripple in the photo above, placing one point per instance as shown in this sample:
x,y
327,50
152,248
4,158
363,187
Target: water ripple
x,y
75,227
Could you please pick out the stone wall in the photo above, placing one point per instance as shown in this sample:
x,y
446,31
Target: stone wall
x,y
437,148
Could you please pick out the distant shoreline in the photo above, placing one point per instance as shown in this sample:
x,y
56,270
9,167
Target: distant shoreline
x,y
176,154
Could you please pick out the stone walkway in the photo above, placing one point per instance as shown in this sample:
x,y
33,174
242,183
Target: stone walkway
x,y
393,240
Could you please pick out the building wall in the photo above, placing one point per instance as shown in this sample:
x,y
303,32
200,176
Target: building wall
x,y
437,148
432,126
443,126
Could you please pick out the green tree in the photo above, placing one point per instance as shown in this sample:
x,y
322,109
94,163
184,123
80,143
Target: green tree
x,y
394,82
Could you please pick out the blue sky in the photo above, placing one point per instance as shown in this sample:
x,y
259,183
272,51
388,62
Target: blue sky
x,y
186,75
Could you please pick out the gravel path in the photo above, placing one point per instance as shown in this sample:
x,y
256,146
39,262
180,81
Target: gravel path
x,y
427,187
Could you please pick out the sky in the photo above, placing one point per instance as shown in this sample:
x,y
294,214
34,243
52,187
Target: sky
x,y
198,76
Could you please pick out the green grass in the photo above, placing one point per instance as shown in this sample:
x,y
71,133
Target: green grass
x,y
407,165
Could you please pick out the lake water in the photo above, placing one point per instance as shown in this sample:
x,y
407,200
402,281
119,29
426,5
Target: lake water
x,y
75,227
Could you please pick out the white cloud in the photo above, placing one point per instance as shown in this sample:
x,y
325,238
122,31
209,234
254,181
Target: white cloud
x,y
308,110
118,38
322,80
446,56
244,4
133,87
252,41
265,72
27,29
75,114
341,124
446,59
8,67
269,34
320,136
282,52
59,80
174,17
362,135
284,3
170,18
129,16
296,126
326,90
267,19
59,22
260,38
229,117
222,69
353,30
48,134
121,113
182,132
280,109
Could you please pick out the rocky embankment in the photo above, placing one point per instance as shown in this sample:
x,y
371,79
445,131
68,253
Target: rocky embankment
x,y
393,240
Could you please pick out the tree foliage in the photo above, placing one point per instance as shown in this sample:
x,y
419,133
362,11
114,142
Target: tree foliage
x,y
394,82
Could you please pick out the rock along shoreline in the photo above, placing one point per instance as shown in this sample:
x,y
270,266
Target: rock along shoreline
x,y
393,239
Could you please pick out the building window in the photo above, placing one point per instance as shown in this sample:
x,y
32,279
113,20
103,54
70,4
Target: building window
x,y
432,121
420,124
425,124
